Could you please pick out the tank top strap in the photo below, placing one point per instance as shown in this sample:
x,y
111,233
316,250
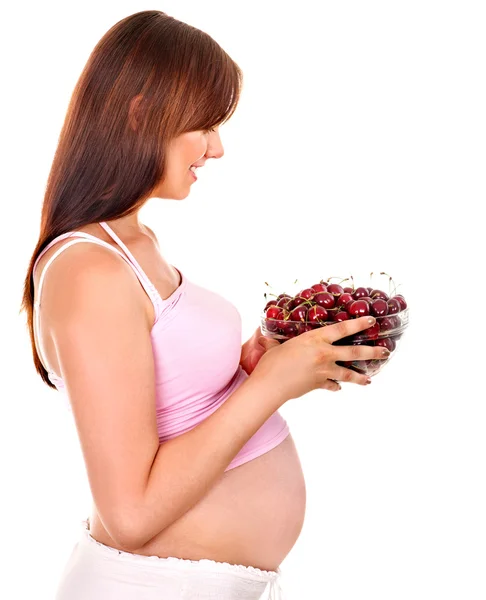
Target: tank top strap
x,y
149,287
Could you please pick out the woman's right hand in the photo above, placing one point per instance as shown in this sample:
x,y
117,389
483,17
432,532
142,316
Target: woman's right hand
x,y
308,361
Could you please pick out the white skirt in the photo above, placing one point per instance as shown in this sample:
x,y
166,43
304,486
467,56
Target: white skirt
x,y
95,571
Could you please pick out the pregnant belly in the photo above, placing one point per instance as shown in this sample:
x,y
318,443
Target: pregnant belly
x,y
252,516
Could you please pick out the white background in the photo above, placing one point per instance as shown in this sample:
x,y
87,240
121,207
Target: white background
x,y
358,146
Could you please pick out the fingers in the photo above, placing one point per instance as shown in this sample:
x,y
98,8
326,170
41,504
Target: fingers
x,y
349,376
268,343
360,352
331,385
336,331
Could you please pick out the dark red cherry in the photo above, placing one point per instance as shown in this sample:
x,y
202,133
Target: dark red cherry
x,y
306,294
274,312
283,301
370,289
317,313
372,332
344,299
341,316
319,287
379,308
324,299
270,303
401,300
299,313
386,324
393,306
335,289
360,292
348,290
375,294
358,308
386,343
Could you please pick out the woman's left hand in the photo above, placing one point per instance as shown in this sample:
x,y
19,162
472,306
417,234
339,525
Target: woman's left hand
x,y
254,349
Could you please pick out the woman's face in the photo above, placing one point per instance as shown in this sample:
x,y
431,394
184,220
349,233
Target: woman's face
x,y
194,147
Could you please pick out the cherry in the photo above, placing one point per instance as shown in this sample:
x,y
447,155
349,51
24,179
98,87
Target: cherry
x,y
370,289
283,301
316,314
386,343
294,302
324,299
379,308
273,312
270,303
299,313
279,297
372,332
319,287
393,306
341,316
332,312
335,289
306,294
386,324
367,299
360,292
348,290
359,308
375,294
344,299
271,325
401,300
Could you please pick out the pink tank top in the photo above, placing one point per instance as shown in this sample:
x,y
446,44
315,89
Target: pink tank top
x,y
196,342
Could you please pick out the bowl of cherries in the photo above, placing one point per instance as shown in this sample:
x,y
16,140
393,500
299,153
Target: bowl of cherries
x,y
324,303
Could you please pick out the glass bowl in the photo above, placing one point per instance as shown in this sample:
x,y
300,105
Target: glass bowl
x,y
387,332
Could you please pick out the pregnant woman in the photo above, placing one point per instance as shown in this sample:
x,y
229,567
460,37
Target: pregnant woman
x,y
197,487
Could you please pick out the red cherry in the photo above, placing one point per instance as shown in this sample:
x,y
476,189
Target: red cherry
x,y
393,306
360,292
395,321
270,303
290,329
367,299
299,313
375,294
379,308
344,299
306,327
401,300
324,299
306,294
370,289
319,287
316,313
348,290
335,289
372,332
280,296
341,316
386,343
273,312
386,324
283,300
359,308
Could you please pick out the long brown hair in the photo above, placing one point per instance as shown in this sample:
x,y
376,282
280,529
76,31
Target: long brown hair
x,y
167,75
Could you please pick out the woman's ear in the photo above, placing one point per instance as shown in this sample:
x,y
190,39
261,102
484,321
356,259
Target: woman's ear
x,y
134,111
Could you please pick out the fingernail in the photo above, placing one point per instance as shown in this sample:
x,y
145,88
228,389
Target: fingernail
x,y
368,380
371,320
386,352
